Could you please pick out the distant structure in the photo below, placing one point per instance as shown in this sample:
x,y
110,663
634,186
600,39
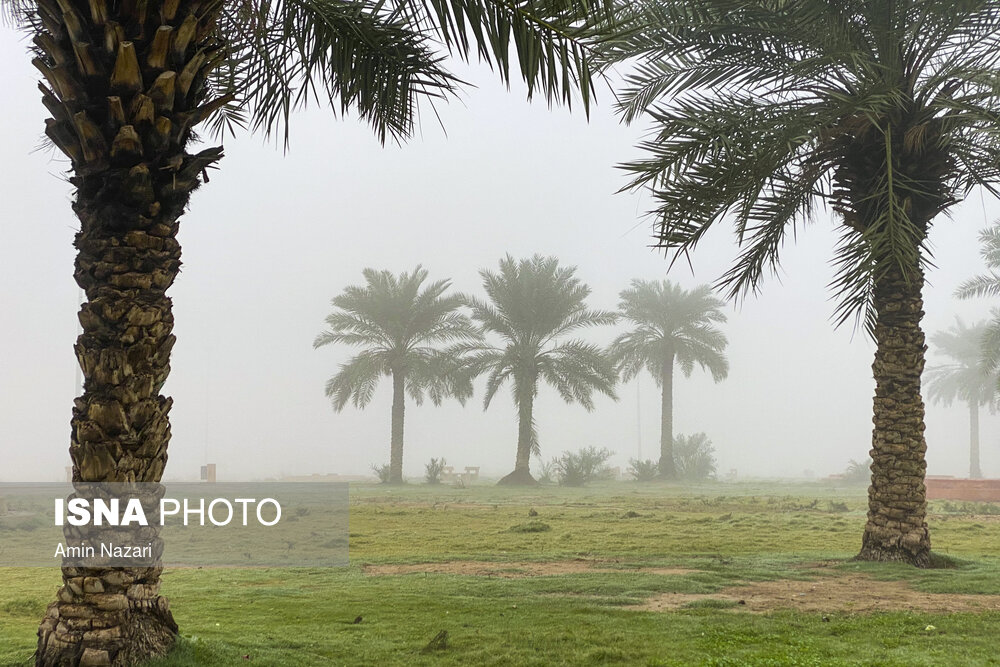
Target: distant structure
x,y
951,488
449,476
208,473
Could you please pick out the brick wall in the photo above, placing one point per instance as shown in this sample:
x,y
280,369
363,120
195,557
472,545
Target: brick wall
x,y
951,488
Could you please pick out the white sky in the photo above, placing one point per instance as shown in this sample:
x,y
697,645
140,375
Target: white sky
x,y
273,237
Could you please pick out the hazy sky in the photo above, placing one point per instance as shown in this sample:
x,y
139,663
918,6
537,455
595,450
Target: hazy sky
x,y
273,237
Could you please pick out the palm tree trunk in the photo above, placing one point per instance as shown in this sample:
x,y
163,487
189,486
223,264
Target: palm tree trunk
x,y
521,476
396,446
125,85
975,472
667,468
897,506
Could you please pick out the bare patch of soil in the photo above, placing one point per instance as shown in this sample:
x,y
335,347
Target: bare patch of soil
x,y
512,570
851,593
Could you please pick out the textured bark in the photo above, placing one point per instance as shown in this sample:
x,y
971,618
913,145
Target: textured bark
x,y
975,471
897,505
123,105
667,469
521,476
396,444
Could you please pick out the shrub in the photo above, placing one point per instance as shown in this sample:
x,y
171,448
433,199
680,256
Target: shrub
x,y
586,465
433,470
858,473
643,471
694,456
530,527
547,471
382,472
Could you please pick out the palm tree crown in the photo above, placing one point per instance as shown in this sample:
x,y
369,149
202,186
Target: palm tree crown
x,y
967,378
764,108
398,324
671,325
533,305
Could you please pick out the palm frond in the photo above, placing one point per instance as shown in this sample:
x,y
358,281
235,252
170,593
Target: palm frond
x,y
381,59
577,369
357,379
987,284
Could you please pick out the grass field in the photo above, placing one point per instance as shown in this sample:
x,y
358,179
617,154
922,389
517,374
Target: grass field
x,y
718,574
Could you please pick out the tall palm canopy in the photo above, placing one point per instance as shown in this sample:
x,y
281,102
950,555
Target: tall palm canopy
x,y
399,326
883,110
967,378
533,306
672,325
125,85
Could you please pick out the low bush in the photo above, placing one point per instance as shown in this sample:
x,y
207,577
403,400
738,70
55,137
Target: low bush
x,y
643,471
547,471
433,470
586,465
857,472
694,456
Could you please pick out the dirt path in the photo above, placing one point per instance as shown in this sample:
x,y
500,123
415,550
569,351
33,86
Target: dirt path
x,y
512,570
830,592
853,593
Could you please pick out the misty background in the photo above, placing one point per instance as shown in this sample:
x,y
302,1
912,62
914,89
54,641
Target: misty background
x,y
273,237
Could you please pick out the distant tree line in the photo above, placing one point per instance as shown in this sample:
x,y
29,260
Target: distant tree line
x,y
523,333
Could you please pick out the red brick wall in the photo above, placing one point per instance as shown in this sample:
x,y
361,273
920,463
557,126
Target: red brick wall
x,y
963,489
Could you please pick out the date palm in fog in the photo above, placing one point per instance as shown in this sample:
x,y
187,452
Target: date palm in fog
x,y
886,112
671,327
967,378
401,324
532,309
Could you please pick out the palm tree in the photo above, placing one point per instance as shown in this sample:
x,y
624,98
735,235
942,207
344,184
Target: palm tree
x,y
533,305
886,111
672,325
967,379
126,84
397,324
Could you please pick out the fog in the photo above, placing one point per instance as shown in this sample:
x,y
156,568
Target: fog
x,y
273,237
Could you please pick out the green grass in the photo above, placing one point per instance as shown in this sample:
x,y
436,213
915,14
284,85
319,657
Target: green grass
x,y
725,534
